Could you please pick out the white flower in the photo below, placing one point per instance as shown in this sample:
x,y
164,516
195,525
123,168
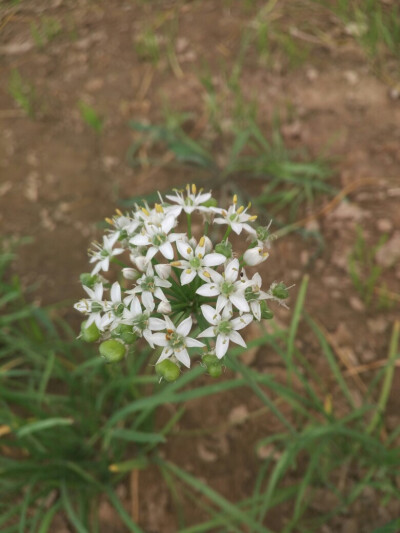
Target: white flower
x,y
192,200
141,321
157,215
255,256
163,270
149,285
164,308
115,307
124,225
227,288
158,239
236,219
94,307
195,261
130,273
224,328
103,253
175,341
254,294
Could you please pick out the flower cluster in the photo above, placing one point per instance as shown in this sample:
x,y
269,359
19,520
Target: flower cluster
x,y
182,295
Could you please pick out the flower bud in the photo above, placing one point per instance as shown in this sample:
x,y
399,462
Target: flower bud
x,y
168,370
163,271
224,248
262,233
255,256
88,280
208,244
164,307
90,334
279,290
266,312
112,350
209,359
215,371
130,273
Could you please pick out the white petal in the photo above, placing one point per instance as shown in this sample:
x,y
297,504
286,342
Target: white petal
x,y
240,302
256,309
237,338
193,343
232,270
167,250
169,323
148,300
168,223
213,259
222,346
151,252
237,228
159,339
156,324
249,229
209,332
242,321
201,198
221,302
140,240
184,249
158,293
185,326
210,314
208,289
163,271
167,352
220,221
183,357
187,277
115,292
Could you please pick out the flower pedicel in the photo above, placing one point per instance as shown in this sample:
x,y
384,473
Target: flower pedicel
x,y
182,295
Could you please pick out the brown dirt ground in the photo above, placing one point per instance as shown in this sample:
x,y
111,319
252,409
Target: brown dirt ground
x,y
58,179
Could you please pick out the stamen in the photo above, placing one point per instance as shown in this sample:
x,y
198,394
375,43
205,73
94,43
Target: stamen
x,y
145,212
254,217
194,189
201,242
119,212
240,210
159,208
109,221
235,199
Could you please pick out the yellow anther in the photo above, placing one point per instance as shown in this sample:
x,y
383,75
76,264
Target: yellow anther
x,y
265,254
206,274
188,271
200,256
240,210
159,208
189,251
249,205
176,263
235,198
194,188
254,217
145,212
224,213
201,242
119,212
109,221
188,188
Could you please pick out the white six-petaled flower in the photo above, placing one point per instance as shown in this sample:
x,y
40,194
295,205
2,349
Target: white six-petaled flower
x,y
191,201
237,219
102,254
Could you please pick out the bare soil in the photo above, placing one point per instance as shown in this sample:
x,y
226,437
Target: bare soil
x,y
58,179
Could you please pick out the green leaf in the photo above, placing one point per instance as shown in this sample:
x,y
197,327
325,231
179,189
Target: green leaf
x,y
41,425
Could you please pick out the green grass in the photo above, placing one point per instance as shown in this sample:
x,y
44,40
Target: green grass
x,y
72,427
43,32
91,117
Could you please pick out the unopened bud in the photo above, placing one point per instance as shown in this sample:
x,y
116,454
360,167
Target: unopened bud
x,y
207,244
164,307
112,350
130,273
224,248
90,334
279,291
215,371
168,370
163,271
255,256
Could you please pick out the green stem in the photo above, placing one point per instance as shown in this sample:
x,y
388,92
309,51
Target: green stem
x,y
387,382
206,227
227,232
189,222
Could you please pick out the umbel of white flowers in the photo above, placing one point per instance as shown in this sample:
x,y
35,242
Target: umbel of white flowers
x,y
174,288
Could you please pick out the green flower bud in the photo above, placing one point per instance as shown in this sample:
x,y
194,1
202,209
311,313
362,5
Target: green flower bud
x,y
215,371
212,202
124,331
88,280
112,351
90,334
168,370
224,248
210,359
280,291
266,312
262,233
